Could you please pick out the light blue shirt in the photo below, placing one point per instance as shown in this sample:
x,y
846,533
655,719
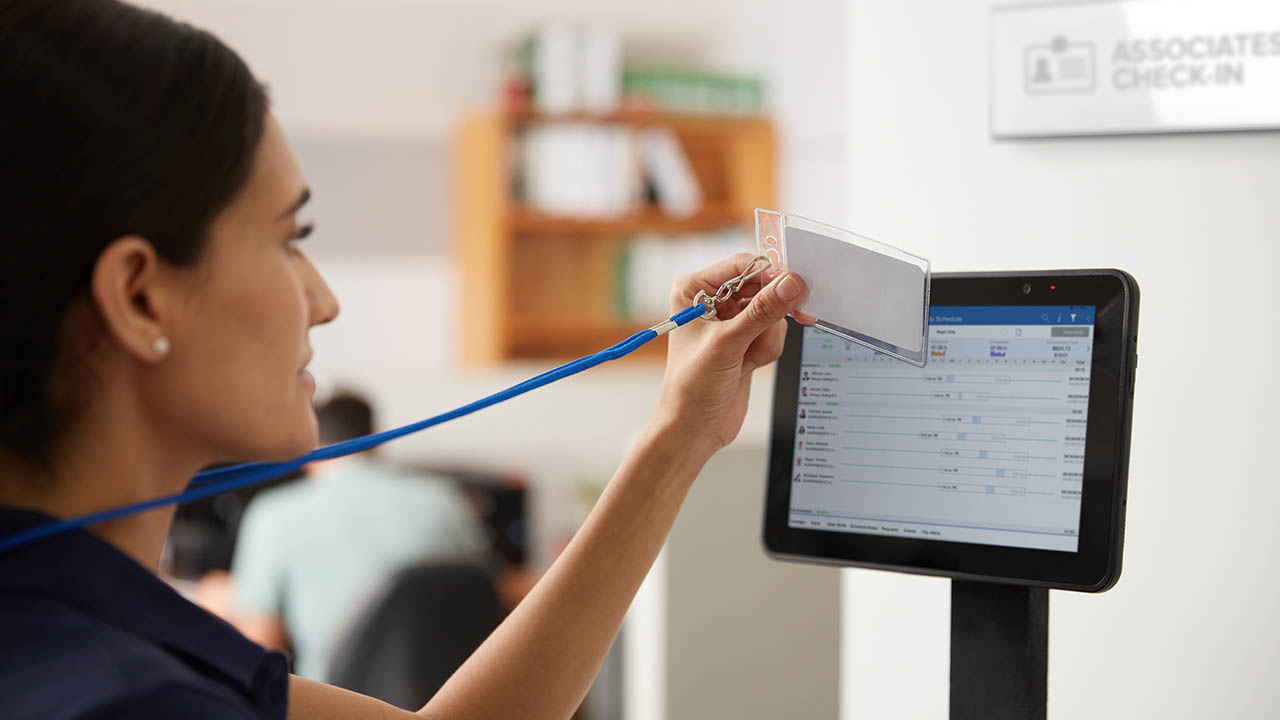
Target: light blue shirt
x,y
312,552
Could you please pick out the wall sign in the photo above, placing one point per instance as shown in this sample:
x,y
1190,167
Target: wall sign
x,y
1139,66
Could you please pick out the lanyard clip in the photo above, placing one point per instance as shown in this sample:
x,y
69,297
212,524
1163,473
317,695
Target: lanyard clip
x,y
710,302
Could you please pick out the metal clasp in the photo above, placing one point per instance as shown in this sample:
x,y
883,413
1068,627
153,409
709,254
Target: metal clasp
x,y
710,302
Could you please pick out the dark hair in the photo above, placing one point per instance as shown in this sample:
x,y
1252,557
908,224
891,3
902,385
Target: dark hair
x,y
345,416
113,121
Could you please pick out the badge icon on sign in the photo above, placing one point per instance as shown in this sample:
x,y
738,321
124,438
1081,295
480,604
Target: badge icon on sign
x,y
1060,66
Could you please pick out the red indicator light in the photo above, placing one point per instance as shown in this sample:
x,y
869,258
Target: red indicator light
x,y
1053,287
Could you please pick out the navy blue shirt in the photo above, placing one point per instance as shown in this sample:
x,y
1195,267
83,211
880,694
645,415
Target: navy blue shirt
x,y
88,633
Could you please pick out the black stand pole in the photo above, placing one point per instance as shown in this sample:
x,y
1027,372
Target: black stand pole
x,y
999,651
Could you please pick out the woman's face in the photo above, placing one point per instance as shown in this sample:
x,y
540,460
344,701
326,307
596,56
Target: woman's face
x,y
234,384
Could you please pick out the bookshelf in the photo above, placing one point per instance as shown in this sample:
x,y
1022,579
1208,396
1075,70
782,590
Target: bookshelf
x,y
542,286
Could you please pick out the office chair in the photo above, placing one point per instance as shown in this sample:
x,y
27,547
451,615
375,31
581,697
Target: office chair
x,y
418,628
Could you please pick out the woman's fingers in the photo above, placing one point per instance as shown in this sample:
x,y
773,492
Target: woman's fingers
x,y
802,318
710,279
766,348
764,312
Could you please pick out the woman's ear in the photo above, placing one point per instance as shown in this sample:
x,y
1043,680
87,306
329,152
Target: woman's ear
x,y
131,299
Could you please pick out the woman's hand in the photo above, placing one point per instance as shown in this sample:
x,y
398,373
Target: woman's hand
x,y
709,362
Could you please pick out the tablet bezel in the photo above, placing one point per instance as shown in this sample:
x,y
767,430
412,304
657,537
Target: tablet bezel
x,y
1095,566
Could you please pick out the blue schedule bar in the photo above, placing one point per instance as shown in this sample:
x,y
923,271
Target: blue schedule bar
x,y
1012,314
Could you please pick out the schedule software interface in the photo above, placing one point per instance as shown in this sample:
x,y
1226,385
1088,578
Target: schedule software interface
x,y
983,445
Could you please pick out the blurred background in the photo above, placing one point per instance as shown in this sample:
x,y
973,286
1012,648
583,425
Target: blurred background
x,y
501,185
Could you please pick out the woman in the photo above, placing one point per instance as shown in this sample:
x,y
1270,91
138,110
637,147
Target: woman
x,y
156,306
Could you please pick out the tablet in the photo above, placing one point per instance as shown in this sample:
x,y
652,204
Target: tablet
x,y
1004,459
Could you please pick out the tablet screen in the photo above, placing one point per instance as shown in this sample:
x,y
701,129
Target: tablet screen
x,y
985,445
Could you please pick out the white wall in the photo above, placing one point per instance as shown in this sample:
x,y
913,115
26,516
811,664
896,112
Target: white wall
x,y
392,68
1191,631
798,47
746,637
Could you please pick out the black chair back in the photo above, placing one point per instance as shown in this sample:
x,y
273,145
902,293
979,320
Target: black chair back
x,y
416,631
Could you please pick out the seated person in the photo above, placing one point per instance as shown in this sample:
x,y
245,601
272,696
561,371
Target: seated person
x,y
311,552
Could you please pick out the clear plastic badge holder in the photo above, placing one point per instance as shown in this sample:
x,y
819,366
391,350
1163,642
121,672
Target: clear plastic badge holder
x,y
859,289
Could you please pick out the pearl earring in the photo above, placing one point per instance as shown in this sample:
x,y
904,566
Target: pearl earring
x,y
161,346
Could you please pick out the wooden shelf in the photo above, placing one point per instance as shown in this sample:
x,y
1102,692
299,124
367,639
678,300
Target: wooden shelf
x,y
531,222
562,337
526,276
640,117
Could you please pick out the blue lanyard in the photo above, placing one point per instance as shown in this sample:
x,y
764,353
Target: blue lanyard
x,y
234,477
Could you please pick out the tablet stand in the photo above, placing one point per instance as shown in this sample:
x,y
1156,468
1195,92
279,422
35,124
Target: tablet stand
x,y
999,651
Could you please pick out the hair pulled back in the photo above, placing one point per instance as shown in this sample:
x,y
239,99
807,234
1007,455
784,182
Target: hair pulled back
x,y
114,121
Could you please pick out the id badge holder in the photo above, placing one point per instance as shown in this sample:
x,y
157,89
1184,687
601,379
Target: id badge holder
x,y
859,289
